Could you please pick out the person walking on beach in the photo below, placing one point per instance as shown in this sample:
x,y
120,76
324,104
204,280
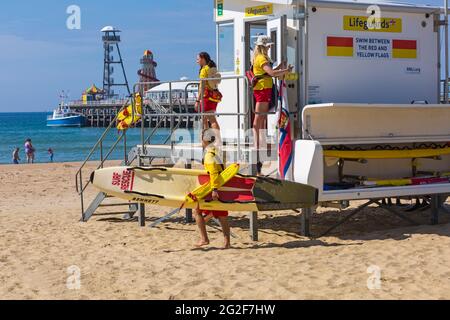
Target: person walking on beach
x,y
208,91
50,154
262,91
29,151
15,156
214,166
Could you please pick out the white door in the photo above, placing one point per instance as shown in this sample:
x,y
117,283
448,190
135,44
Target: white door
x,y
277,31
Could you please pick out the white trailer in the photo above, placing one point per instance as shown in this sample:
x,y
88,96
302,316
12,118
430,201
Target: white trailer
x,y
358,68
337,58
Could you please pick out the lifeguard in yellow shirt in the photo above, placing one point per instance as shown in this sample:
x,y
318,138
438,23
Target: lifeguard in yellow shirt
x,y
208,91
262,91
214,166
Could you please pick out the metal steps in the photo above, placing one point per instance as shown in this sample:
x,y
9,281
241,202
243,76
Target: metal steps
x,y
145,154
98,203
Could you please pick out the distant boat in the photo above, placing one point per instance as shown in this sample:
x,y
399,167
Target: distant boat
x,y
64,117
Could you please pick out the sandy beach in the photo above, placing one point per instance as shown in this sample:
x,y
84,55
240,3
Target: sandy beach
x,y
42,241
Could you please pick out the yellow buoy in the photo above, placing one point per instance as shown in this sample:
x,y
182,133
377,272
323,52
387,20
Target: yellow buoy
x,y
130,115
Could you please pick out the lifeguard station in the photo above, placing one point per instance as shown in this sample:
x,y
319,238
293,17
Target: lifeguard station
x,y
367,102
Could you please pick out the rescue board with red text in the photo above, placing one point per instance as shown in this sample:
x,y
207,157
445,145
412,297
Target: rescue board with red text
x,y
168,187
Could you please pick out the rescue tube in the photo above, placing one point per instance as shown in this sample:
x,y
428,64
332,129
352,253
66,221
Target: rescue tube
x,y
131,115
386,154
206,188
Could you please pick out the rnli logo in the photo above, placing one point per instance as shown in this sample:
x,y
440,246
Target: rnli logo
x,y
283,121
123,180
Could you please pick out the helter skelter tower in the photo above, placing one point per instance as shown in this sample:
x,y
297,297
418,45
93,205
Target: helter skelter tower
x,y
111,40
148,72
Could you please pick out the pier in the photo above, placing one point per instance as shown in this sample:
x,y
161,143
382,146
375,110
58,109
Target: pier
x,y
162,102
100,114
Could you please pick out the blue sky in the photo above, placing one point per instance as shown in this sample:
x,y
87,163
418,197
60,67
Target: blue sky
x,y
39,56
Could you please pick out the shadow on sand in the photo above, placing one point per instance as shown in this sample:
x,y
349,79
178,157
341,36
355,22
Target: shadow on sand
x,y
372,223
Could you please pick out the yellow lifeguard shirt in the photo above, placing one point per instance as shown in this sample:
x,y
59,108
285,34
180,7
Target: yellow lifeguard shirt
x,y
266,81
214,168
205,74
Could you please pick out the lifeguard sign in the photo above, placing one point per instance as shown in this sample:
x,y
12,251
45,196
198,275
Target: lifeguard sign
x,y
359,57
342,52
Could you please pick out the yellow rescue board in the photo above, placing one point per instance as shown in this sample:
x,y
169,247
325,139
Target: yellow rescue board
x,y
386,154
130,115
168,187
205,189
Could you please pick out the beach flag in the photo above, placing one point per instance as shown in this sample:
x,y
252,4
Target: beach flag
x,y
404,49
340,46
285,144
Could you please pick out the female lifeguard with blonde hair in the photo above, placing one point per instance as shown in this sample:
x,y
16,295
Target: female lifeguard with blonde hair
x,y
263,70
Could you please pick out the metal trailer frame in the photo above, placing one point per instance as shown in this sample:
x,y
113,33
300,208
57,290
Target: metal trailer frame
x,y
437,203
142,152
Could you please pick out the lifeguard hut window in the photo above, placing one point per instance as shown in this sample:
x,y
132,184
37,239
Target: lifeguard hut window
x,y
253,30
273,52
225,46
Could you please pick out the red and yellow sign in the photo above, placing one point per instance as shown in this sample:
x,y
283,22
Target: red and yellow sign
x,y
340,46
404,49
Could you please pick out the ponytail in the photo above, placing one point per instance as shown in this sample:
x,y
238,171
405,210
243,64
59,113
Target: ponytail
x,y
209,62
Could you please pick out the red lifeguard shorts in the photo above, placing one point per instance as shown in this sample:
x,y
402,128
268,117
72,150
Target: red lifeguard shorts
x,y
216,214
208,106
264,95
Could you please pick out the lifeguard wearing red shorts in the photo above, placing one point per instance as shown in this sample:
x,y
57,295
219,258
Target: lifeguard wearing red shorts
x,y
263,88
213,165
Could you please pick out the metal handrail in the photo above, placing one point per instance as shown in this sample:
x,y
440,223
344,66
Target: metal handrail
x,y
102,137
96,103
271,113
158,126
176,114
174,99
99,143
442,91
165,114
168,137
201,114
84,187
190,84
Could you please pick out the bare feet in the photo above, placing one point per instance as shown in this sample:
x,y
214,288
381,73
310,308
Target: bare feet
x,y
226,246
202,243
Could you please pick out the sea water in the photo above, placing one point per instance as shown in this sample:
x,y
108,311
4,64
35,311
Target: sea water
x,y
68,144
